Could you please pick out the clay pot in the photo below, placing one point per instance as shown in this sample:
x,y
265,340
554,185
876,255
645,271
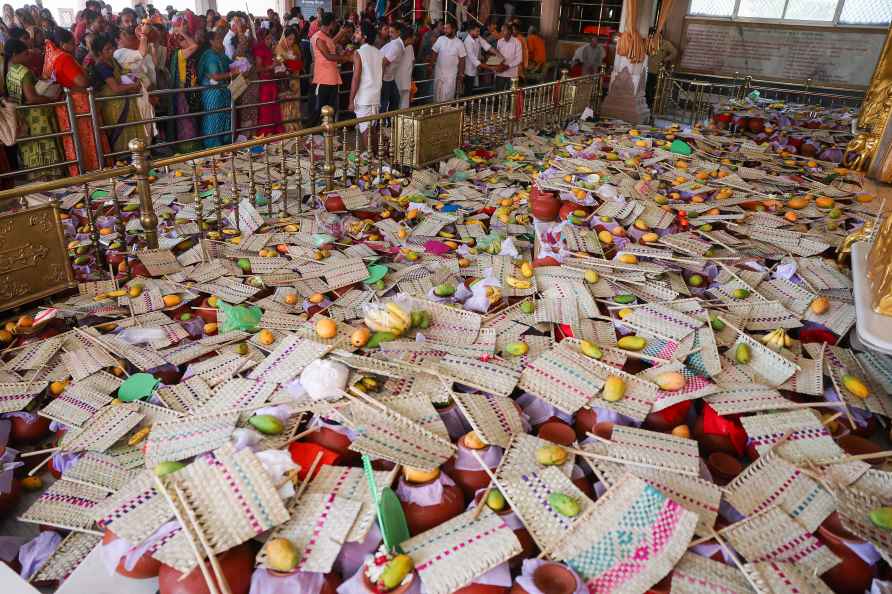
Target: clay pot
x,y
329,586
855,445
470,481
604,429
421,518
8,501
569,207
145,568
544,206
710,442
852,575
585,485
756,125
481,589
334,441
557,432
237,564
551,578
585,422
401,589
206,313
723,467
668,418
24,433
664,586
334,203
528,545
546,261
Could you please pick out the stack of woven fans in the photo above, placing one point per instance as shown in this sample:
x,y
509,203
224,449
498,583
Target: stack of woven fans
x,y
596,359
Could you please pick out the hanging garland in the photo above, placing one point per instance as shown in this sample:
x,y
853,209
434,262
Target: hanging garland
x,y
630,43
655,41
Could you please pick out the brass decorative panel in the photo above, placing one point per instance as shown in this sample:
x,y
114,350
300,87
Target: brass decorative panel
x,y
33,261
423,138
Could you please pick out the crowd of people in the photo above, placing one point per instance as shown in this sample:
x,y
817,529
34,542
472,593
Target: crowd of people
x,y
279,71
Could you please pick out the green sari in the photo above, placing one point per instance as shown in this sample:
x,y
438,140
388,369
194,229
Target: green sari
x,y
40,120
117,111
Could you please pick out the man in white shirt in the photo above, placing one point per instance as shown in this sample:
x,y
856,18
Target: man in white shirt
x,y
393,55
474,46
448,60
403,75
365,86
512,54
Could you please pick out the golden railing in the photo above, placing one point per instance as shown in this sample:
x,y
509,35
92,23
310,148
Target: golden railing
x,y
315,160
693,96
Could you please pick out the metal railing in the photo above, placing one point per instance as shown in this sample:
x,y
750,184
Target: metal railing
x,y
100,129
693,97
306,163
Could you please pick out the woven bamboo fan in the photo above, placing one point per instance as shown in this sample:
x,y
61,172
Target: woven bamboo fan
x,y
86,361
771,480
528,495
653,529
70,553
486,376
159,262
765,315
776,537
103,429
696,386
187,395
839,318
350,484
15,396
494,418
854,507
519,458
746,399
75,405
135,511
188,436
318,526
663,320
837,363
36,355
237,394
98,469
454,553
677,454
696,574
65,505
220,368
563,378
772,367
775,576
809,440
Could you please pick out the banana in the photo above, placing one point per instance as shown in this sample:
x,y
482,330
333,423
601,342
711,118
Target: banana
x,y
518,283
776,339
400,314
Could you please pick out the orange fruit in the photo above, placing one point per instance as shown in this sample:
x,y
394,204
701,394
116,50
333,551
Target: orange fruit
x,y
172,300
824,202
316,298
326,328
291,299
791,216
57,387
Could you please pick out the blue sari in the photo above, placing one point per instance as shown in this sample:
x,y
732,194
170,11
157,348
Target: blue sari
x,y
217,97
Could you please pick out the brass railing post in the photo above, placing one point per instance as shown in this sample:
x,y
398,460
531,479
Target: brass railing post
x,y
142,164
514,121
602,73
328,167
75,139
95,121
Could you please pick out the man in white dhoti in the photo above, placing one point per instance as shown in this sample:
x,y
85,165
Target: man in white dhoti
x,y
448,61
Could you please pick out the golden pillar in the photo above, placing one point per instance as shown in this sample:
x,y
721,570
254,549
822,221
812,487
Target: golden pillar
x,y
871,149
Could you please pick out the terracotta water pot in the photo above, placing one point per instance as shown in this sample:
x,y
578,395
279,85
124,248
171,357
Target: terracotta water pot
x,y
544,206
334,441
329,586
147,567
664,586
9,500
855,445
24,433
424,517
604,429
584,422
470,481
723,467
557,431
237,564
852,575
401,589
206,312
481,589
551,578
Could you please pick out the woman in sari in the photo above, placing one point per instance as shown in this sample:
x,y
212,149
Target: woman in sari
x,y
107,83
269,116
185,50
213,70
60,65
20,84
288,53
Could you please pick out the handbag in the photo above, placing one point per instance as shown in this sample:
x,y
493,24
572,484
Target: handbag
x,y
238,86
12,124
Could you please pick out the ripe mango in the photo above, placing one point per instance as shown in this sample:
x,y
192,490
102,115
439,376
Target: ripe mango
x,y
163,468
591,276
396,571
496,501
528,306
671,381
855,386
517,349
740,293
631,343
614,389
281,555
551,455
591,350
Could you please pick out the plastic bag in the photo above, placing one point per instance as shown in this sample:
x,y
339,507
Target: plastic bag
x,y
479,299
239,317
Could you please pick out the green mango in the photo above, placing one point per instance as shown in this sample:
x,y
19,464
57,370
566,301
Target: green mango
x,y
495,500
563,504
882,517
740,293
528,306
743,354
444,290
695,280
717,324
267,424
624,299
244,264
163,468
396,571
379,337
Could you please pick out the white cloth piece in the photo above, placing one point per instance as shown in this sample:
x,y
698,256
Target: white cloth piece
x,y
403,74
369,91
449,52
362,111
